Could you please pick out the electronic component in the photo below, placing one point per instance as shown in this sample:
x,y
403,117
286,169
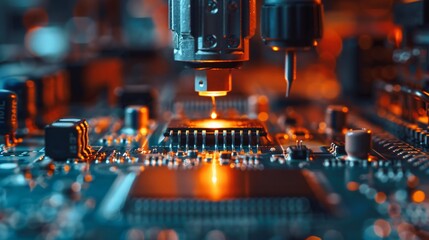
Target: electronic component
x,y
358,144
8,116
212,36
136,119
141,95
165,163
298,152
231,184
291,25
67,139
337,149
26,92
336,119
213,134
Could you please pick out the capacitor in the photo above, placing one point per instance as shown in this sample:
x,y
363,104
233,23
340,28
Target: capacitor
x,y
336,119
358,143
136,119
25,89
8,116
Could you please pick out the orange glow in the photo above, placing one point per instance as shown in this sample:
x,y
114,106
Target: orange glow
x,y
214,124
352,186
167,234
397,36
212,93
313,238
88,178
214,172
409,1
275,49
418,196
331,43
263,116
380,197
213,115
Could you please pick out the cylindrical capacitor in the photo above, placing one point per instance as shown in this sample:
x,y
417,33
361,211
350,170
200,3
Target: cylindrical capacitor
x,y
26,91
8,115
136,118
358,144
336,119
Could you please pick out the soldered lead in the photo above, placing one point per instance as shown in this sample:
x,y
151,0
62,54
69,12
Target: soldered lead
x,y
195,139
216,134
171,141
187,140
224,139
241,140
179,136
258,138
204,132
249,134
233,140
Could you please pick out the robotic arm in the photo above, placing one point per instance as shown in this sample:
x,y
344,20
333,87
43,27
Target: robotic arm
x,y
212,36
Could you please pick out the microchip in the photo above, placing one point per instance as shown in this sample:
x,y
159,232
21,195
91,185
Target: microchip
x,y
265,188
221,133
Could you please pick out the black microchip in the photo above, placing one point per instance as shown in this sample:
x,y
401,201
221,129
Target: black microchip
x,y
227,133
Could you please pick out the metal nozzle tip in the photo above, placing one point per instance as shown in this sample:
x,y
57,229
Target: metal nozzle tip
x,y
290,70
288,88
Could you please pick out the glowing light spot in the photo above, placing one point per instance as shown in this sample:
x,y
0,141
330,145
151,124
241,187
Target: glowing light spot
x,y
263,116
313,238
352,186
380,197
418,196
212,93
47,42
88,178
275,49
214,172
213,115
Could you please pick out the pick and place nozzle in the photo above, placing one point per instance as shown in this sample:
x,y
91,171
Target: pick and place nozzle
x,y
290,70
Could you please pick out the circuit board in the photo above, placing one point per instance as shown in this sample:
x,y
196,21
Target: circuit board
x,y
209,178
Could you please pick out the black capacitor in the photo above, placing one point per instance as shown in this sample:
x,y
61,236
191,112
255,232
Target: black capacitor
x,y
26,91
143,95
65,140
84,126
8,112
336,118
291,24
